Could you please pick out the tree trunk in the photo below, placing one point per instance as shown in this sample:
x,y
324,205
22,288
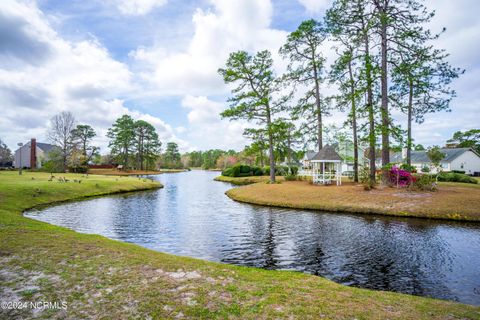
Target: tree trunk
x,y
354,123
371,117
270,146
319,109
409,120
384,88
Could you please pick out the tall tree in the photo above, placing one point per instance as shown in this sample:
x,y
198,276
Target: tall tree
x,y
351,20
122,139
60,134
256,96
306,68
398,23
421,81
147,144
172,155
82,137
345,73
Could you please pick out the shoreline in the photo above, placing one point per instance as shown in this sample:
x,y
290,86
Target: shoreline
x,y
448,204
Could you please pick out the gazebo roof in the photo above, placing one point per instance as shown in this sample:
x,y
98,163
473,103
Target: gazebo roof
x,y
327,154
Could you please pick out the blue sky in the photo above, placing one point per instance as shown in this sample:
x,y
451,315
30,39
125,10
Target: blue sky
x,y
157,60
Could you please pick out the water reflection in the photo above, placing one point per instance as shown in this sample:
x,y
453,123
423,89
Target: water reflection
x,y
191,216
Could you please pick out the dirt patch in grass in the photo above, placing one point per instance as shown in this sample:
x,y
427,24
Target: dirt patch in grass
x,y
451,201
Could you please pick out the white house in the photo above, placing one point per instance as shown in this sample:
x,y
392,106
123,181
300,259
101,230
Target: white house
x,y
32,154
459,159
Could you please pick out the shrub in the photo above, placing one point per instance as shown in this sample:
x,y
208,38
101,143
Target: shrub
x,y
425,169
281,170
399,177
291,177
235,171
364,176
424,182
294,170
456,177
227,172
257,171
266,170
51,166
245,169
408,168
459,171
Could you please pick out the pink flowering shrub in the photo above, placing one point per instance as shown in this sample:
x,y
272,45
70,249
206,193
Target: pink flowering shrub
x,y
400,177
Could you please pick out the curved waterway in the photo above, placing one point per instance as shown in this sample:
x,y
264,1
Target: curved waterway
x,y
193,217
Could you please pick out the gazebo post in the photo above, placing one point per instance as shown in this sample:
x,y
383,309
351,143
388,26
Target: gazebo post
x,y
339,172
323,172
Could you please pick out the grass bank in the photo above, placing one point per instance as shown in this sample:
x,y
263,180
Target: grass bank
x,y
242,181
452,201
102,278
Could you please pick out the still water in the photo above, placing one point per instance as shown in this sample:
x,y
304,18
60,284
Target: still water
x,y
191,216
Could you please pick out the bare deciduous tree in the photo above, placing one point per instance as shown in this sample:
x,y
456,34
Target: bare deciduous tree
x,y
60,133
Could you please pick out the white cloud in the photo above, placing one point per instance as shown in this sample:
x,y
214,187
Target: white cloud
x,y
208,129
80,77
138,7
229,26
315,6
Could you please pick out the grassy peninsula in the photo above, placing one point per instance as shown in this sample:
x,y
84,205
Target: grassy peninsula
x,y
452,201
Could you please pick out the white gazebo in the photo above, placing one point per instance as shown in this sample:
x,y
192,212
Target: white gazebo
x,y
326,167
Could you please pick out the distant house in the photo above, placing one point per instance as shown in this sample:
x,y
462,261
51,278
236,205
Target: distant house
x,y
458,159
32,154
307,158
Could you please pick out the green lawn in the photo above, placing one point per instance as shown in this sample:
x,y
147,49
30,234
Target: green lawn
x,y
105,279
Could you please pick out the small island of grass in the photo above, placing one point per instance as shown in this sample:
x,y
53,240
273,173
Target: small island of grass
x,y
453,201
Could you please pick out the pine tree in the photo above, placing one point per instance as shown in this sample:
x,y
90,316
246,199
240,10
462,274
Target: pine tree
x,y
306,68
256,96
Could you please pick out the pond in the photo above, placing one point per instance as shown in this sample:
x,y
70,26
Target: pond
x,y
193,217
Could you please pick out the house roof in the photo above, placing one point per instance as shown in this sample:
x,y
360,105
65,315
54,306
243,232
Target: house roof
x,y
327,153
309,154
421,156
46,147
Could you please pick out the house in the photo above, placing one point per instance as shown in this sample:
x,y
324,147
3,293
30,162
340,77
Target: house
x,y
456,159
307,158
32,154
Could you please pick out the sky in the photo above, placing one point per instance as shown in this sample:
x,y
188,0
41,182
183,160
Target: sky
x,y
157,60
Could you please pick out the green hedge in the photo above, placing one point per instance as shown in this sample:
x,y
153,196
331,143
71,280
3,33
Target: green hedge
x,y
241,170
456,177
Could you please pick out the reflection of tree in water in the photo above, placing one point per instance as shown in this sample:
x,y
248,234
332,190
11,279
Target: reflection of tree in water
x,y
134,217
259,245
404,256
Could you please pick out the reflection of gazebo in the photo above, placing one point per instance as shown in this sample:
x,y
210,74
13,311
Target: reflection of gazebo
x,y
327,166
